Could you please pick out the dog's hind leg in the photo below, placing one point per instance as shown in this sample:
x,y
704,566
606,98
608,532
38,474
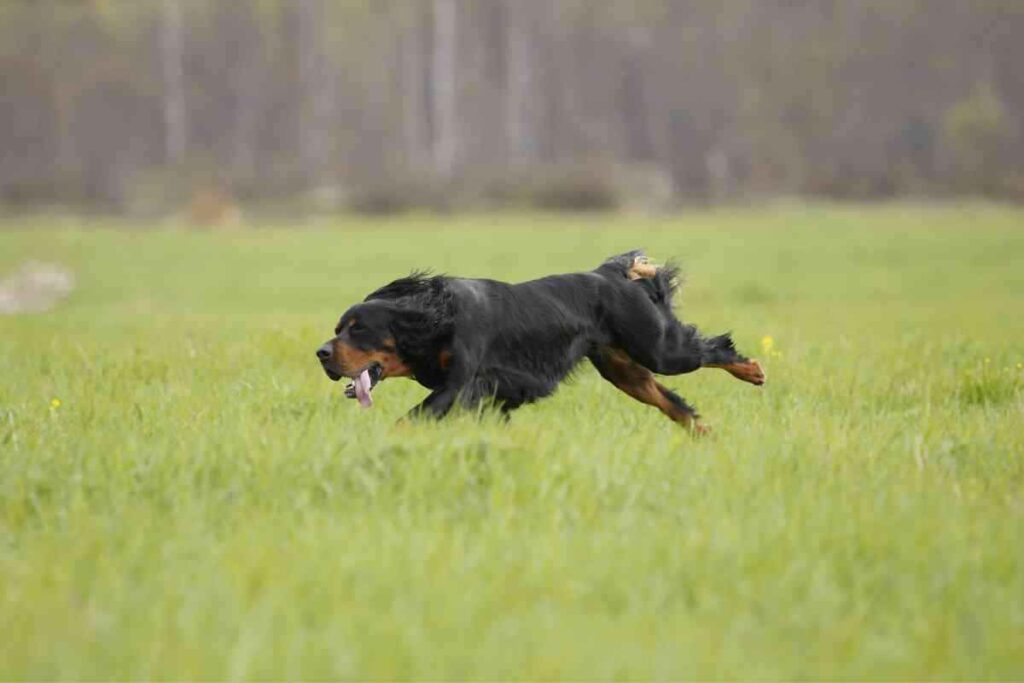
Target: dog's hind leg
x,y
637,381
648,331
634,265
719,352
641,268
658,342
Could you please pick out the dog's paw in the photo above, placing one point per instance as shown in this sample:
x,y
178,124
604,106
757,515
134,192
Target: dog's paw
x,y
642,268
698,428
750,371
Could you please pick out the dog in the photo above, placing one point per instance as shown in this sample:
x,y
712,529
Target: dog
x,y
471,341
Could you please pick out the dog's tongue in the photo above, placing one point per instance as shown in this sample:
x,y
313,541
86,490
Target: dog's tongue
x,y
363,384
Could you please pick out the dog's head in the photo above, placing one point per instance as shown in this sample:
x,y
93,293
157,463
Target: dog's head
x,y
364,340
400,330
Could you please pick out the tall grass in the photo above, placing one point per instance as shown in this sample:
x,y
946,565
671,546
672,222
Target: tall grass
x,y
183,494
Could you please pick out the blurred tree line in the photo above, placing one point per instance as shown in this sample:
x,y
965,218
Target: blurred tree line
x,y
141,105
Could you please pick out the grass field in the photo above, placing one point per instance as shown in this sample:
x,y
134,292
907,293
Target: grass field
x,y
183,494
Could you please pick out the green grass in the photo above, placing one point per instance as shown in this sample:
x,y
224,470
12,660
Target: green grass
x,y
204,503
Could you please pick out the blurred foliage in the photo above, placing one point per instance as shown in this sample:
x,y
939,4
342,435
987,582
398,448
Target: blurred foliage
x,y
285,100
977,130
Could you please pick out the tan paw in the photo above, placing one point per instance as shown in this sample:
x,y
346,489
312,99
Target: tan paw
x,y
750,371
642,269
700,429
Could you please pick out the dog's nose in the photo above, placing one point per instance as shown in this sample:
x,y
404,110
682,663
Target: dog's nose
x,y
324,352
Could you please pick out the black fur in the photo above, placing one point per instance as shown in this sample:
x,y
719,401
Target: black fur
x,y
472,340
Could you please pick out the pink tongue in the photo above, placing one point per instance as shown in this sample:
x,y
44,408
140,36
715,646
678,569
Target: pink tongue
x,y
363,385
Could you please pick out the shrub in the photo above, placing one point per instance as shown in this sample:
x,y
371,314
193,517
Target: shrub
x,y
976,133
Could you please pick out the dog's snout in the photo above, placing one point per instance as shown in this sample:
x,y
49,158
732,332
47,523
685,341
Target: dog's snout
x,y
324,352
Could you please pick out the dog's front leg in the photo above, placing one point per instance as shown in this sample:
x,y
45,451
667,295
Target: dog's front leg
x,y
436,405
458,387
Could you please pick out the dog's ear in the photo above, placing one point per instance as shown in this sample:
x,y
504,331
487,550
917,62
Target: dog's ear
x,y
407,321
417,332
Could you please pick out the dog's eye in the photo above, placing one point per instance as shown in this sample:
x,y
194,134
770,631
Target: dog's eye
x,y
357,327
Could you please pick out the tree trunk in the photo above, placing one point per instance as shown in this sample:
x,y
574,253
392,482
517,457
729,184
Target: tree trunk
x,y
444,84
411,54
172,56
316,92
246,80
519,135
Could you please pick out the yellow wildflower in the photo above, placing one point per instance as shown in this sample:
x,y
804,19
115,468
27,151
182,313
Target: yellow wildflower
x,y
55,403
767,344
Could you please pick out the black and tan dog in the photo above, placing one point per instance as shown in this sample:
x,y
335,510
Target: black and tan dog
x,y
473,340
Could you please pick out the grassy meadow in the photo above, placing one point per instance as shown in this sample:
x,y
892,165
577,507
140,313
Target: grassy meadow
x,y
184,494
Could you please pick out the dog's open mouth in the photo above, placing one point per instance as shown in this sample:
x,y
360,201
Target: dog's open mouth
x,y
364,383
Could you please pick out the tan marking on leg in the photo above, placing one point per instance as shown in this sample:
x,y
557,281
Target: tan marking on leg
x,y
748,371
638,382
